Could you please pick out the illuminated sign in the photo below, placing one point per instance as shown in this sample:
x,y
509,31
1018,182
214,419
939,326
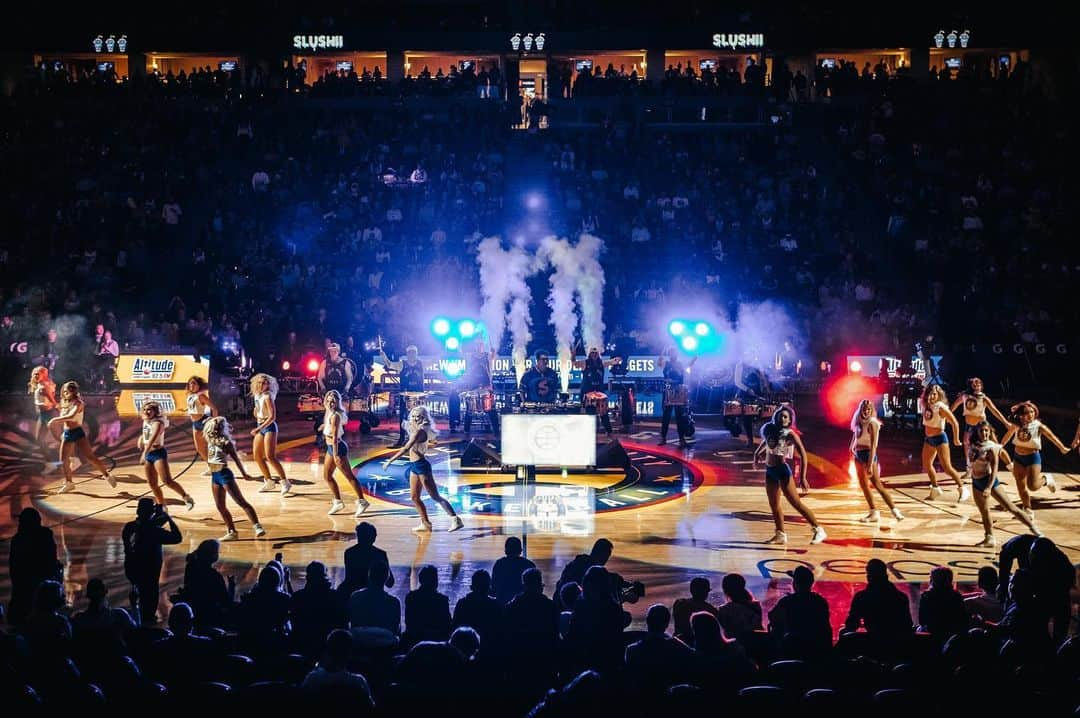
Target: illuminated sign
x,y
318,42
893,367
160,368
110,44
527,41
952,39
130,402
737,41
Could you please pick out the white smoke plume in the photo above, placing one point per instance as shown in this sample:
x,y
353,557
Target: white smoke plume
x,y
590,290
760,331
503,275
562,257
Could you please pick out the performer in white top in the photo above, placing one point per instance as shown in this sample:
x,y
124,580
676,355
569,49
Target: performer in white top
x,y
264,389
155,457
976,404
1026,435
199,408
220,448
421,430
337,454
983,457
42,388
73,437
779,442
935,414
866,433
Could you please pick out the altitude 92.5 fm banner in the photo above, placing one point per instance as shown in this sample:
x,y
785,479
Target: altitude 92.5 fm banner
x,y
160,369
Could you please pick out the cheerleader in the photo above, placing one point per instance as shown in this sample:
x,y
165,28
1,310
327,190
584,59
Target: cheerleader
x,y
199,409
70,421
779,443
219,449
264,444
421,431
155,457
337,454
787,420
42,388
976,404
983,456
1026,435
866,432
935,414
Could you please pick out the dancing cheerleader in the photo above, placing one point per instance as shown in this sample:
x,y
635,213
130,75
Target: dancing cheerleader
x,y
976,404
42,388
866,432
219,449
785,416
73,437
264,443
421,431
779,443
337,454
155,457
983,456
1026,435
935,414
199,408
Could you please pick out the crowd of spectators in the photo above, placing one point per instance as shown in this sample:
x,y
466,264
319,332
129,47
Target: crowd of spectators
x,y
360,645
266,225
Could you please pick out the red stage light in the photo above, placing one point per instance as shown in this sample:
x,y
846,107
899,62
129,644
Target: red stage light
x,y
313,365
855,367
842,394
285,366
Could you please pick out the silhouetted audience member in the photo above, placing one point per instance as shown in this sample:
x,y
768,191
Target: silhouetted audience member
x,y
683,608
1016,551
183,658
373,607
741,615
721,662
1024,620
360,558
658,660
262,617
506,573
466,641
568,596
31,560
479,611
432,670
1054,576
597,623
575,570
941,607
801,618
332,679
143,539
984,604
205,589
427,612
315,610
100,623
881,607
47,630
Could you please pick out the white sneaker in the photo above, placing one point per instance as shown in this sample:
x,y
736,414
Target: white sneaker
x,y
267,487
286,487
1050,483
230,536
819,535
259,531
110,480
206,473
422,528
778,538
456,524
871,518
935,493
189,502
965,494
362,505
896,513
335,506
66,487
988,542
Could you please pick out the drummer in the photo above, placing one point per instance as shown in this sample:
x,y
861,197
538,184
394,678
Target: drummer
x,y
410,372
592,380
477,380
676,396
540,384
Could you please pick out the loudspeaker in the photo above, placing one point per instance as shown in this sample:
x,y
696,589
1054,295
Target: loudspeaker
x,y
612,455
480,453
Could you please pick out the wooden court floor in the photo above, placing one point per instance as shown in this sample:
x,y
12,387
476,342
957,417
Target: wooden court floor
x,y
674,515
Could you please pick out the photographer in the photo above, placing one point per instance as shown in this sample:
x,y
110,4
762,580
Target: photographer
x,y
143,540
622,591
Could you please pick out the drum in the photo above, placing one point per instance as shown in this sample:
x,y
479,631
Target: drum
x,y
598,401
677,395
414,399
309,403
733,408
472,402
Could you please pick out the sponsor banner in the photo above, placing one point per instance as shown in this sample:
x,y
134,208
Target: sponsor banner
x,y
874,364
160,368
318,42
130,402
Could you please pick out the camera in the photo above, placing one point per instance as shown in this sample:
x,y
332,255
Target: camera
x,y
159,516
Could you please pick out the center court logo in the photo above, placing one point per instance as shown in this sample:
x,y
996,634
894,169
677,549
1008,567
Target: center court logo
x,y
148,369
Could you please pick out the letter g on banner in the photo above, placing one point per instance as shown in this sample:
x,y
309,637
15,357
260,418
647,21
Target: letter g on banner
x,y
1062,349
998,349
